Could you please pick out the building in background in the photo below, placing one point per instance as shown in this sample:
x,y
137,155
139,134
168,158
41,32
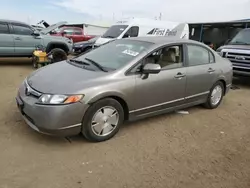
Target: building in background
x,y
216,33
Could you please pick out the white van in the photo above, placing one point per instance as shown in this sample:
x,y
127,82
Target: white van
x,y
143,27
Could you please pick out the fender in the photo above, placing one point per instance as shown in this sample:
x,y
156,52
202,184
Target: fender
x,y
105,95
56,43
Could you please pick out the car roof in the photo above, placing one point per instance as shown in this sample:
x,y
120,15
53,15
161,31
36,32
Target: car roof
x,y
162,40
12,21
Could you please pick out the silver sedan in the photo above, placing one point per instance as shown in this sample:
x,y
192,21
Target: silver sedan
x,y
124,80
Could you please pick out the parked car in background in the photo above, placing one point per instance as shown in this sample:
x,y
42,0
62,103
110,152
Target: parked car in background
x,y
138,27
74,33
80,47
237,51
127,79
20,40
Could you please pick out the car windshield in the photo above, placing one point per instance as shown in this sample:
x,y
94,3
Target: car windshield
x,y
116,54
243,37
114,31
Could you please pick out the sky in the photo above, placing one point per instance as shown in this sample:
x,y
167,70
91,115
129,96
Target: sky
x,y
107,11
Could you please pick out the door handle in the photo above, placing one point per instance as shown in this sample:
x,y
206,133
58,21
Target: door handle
x,y
210,70
18,38
179,75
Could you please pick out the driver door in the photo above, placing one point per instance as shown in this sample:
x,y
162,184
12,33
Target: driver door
x,y
24,41
157,92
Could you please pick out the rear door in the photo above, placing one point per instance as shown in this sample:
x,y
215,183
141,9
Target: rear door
x,y
25,42
6,40
202,72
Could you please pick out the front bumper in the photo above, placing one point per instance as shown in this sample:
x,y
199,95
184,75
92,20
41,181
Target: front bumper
x,y
77,49
228,87
57,120
241,72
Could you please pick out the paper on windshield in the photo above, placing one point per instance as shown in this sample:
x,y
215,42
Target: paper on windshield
x,y
130,52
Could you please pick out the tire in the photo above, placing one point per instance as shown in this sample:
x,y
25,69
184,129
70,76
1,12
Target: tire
x,y
210,104
58,55
102,110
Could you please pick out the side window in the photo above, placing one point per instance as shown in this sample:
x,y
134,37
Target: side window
x,y
78,31
169,57
211,58
4,28
132,32
22,30
197,55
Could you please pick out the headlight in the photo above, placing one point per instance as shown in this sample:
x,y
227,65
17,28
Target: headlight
x,y
59,99
219,51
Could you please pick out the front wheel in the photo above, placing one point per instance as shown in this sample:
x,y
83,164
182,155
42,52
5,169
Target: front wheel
x,y
57,55
215,96
102,120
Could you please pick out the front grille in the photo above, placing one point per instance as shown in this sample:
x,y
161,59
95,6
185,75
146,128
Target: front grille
x,y
238,57
29,91
240,60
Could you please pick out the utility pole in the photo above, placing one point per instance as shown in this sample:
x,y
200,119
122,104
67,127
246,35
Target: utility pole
x,y
160,16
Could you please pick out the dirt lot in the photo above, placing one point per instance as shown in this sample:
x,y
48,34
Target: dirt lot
x,y
203,149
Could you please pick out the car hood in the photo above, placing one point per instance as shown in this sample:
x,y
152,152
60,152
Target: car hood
x,y
64,78
236,46
54,38
52,27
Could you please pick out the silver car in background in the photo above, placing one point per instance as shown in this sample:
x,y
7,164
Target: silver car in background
x,y
127,79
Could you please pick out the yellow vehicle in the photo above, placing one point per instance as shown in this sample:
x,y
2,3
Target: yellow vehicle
x,y
41,58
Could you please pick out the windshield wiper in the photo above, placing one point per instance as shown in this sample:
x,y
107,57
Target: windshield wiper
x,y
78,61
239,42
108,37
96,64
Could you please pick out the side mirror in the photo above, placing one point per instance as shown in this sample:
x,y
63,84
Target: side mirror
x,y
36,33
126,35
52,32
64,33
151,68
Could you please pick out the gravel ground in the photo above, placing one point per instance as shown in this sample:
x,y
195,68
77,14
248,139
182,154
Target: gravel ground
x,y
207,148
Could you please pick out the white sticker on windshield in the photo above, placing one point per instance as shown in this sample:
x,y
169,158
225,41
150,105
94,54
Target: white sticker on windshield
x,y
130,52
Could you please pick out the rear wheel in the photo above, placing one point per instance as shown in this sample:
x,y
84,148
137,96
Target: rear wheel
x,y
102,120
215,96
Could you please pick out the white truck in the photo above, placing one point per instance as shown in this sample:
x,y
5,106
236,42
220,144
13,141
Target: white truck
x,y
237,51
143,27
